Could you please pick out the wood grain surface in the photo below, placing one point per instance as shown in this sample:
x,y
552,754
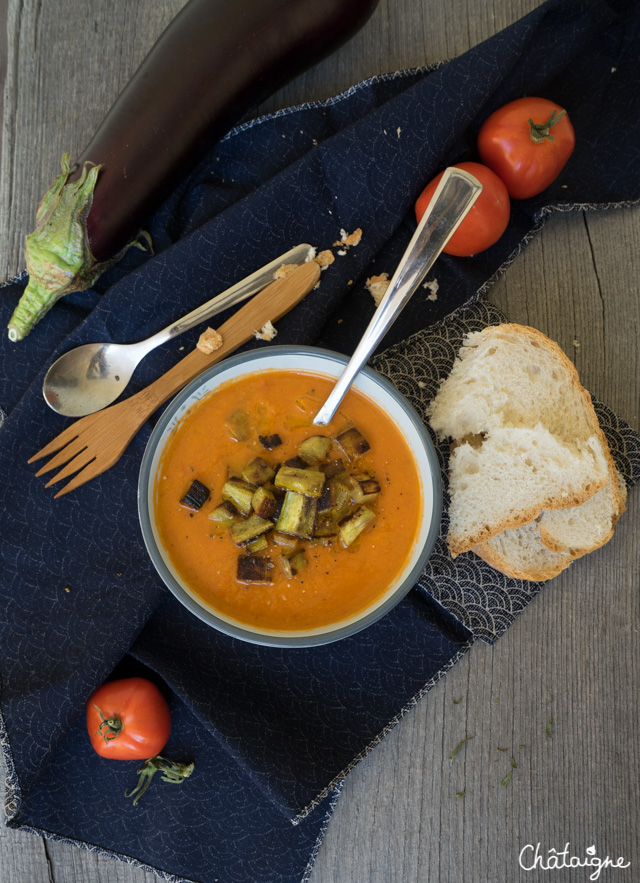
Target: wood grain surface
x,y
558,692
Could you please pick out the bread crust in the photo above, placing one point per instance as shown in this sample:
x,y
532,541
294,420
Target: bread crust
x,y
556,564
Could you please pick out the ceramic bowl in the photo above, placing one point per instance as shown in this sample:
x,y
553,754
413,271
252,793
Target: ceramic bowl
x,y
372,385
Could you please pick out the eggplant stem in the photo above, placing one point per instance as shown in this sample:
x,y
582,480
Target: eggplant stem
x,y
58,254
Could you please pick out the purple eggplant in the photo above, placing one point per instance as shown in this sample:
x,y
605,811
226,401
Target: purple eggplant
x,y
216,60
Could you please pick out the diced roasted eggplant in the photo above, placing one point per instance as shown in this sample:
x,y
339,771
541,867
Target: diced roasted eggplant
x,y
243,532
351,528
297,516
196,496
239,425
315,449
326,525
258,545
258,471
296,463
338,499
284,540
269,442
254,569
239,493
332,468
369,486
317,498
295,564
264,503
335,495
353,443
363,488
302,481
224,515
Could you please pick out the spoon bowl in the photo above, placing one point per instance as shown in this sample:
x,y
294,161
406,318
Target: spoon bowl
x,y
90,377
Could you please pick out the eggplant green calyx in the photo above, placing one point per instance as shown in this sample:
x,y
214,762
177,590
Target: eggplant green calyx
x,y
540,131
172,772
58,255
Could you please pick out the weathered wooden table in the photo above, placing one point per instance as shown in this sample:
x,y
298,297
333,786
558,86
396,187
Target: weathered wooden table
x,y
559,690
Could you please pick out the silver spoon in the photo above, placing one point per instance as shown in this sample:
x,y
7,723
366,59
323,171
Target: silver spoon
x,y
90,377
454,196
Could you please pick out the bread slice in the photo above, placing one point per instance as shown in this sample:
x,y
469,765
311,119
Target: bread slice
x,y
526,436
545,547
520,553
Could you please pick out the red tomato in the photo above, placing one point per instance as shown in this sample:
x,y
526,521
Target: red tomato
x,y
527,143
487,219
128,719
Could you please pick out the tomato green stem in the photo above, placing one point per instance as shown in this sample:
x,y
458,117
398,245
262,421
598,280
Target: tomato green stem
x,y
172,772
539,131
110,727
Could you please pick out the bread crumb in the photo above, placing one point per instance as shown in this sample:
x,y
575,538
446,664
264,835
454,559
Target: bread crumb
x,y
576,344
377,285
267,332
283,270
324,259
209,341
311,254
349,239
342,252
433,287
398,131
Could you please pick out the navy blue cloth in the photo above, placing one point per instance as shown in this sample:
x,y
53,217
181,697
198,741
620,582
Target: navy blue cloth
x,y
271,732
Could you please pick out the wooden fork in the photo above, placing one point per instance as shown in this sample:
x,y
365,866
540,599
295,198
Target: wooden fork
x,y
94,443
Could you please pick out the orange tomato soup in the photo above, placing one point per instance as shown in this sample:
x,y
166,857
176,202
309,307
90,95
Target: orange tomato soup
x,y
338,582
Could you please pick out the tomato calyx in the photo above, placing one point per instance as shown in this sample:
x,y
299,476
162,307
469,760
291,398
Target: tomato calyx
x,y
539,131
110,727
172,772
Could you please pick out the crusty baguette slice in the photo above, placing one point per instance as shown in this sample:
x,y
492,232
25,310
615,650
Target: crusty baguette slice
x,y
526,435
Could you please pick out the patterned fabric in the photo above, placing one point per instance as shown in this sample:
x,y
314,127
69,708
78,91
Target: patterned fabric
x,y
271,732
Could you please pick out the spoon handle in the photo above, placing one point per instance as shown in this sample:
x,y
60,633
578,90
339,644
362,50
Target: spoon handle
x,y
454,196
229,298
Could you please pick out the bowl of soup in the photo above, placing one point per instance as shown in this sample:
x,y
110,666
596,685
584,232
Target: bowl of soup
x,y
274,530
